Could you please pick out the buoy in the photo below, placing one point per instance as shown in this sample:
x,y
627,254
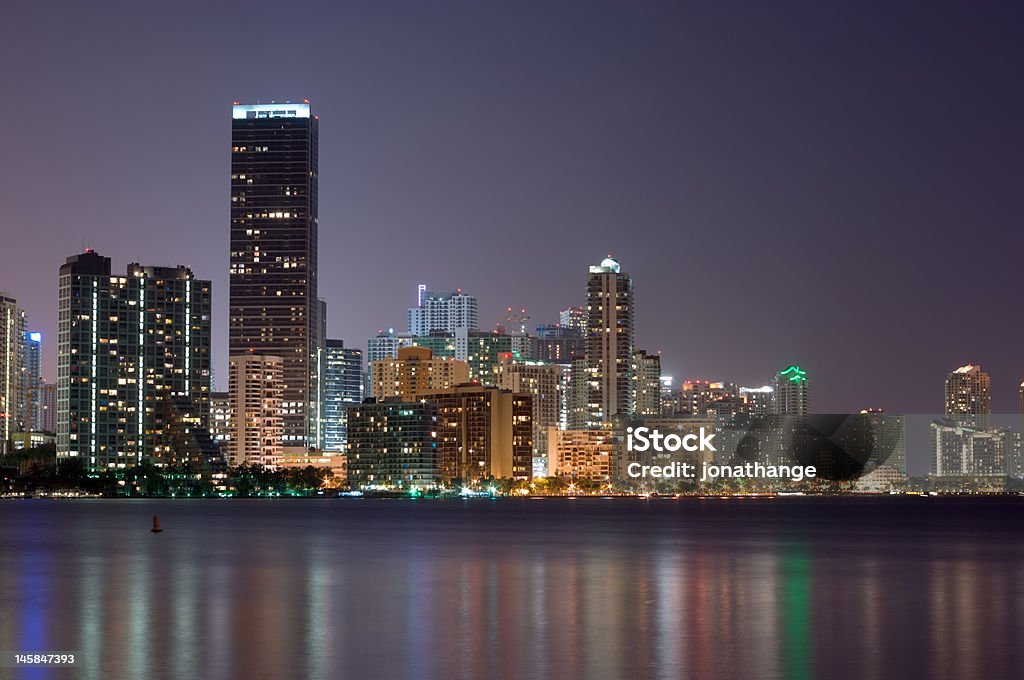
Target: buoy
x,y
156,525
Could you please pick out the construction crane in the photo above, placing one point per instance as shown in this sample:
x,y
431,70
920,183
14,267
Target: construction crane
x,y
514,319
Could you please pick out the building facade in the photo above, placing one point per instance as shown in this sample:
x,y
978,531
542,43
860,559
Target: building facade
x,y
392,445
443,312
646,370
255,395
341,387
483,432
543,382
133,353
416,371
792,394
12,371
968,397
274,308
609,342
581,455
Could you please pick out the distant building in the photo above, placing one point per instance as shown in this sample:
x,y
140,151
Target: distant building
x,y
671,399
483,432
574,319
646,370
32,378
483,350
759,401
341,380
443,311
543,382
47,408
610,342
384,345
959,450
255,394
968,397
12,368
792,392
392,444
220,421
701,397
416,371
558,344
581,454
133,356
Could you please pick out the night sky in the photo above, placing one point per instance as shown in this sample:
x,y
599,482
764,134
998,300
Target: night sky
x,y
837,187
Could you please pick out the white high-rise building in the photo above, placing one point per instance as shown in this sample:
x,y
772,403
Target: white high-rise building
x,y
254,394
443,312
12,368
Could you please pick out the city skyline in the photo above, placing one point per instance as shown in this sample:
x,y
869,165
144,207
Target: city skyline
x,y
646,175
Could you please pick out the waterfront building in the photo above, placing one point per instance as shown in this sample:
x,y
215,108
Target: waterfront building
x,y
958,450
133,356
483,432
581,455
273,305
393,444
543,382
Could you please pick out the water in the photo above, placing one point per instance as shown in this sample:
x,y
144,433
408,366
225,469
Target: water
x,y
587,588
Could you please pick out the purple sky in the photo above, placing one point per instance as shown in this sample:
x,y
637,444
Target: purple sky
x,y
837,187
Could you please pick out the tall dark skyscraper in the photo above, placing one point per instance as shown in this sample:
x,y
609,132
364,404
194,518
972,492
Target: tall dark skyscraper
x,y
609,342
274,309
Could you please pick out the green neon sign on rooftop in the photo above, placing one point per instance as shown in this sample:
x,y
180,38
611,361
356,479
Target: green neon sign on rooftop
x,y
795,374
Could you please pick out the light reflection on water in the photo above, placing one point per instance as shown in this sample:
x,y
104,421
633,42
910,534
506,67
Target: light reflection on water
x,y
786,588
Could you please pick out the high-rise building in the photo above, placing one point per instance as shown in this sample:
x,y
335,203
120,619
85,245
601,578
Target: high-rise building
x,y
32,378
609,342
12,370
392,444
384,345
959,450
415,372
483,350
443,311
341,387
255,394
559,344
274,308
968,398
543,382
133,355
646,370
792,396
483,432
47,408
